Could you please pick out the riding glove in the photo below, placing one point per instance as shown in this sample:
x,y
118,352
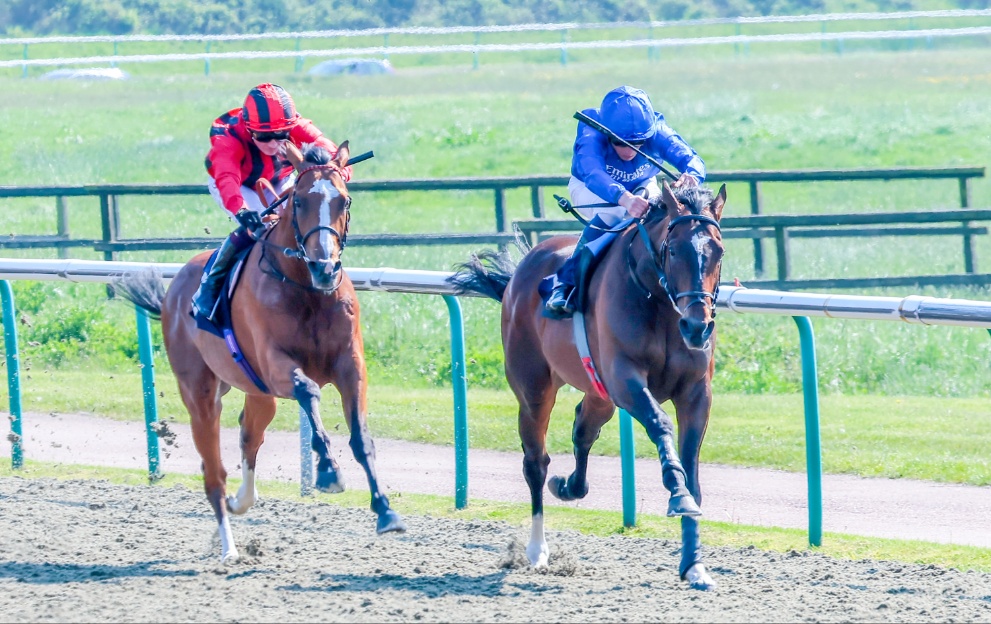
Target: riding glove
x,y
251,221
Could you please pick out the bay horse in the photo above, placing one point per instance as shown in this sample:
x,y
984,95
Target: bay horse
x,y
649,319
295,315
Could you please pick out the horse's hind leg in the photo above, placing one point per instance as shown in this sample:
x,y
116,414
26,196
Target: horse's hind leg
x,y
258,412
590,414
201,392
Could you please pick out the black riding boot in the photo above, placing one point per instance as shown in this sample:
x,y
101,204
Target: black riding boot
x,y
559,301
205,298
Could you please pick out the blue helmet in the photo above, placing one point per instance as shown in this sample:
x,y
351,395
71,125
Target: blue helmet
x,y
628,112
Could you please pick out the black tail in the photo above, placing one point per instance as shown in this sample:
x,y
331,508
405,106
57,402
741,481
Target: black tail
x,y
145,289
486,273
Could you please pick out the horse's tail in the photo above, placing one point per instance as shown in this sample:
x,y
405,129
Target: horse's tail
x,y
486,273
145,289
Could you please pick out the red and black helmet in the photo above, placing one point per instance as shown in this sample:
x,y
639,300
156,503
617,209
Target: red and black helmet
x,y
269,108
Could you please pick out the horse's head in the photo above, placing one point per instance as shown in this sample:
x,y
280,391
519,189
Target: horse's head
x,y
690,258
320,212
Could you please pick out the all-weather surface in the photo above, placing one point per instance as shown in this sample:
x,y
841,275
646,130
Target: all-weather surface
x,y
82,551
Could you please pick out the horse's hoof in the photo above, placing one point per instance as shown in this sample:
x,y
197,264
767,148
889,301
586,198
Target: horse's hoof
x,y
683,505
538,554
558,487
698,578
329,482
230,557
390,522
235,507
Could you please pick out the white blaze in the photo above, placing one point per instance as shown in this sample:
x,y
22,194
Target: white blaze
x,y
699,241
329,193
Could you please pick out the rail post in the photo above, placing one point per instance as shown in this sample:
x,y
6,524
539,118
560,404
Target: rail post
x,y
813,449
459,382
305,454
148,389
627,459
13,375
755,209
62,227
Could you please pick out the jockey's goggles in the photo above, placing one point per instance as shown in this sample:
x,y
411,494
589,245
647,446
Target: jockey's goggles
x,y
632,143
268,137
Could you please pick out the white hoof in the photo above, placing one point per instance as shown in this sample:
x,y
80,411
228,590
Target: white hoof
x,y
239,507
698,578
538,554
229,557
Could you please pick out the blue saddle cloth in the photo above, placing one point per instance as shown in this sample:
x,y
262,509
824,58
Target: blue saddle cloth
x,y
575,271
221,325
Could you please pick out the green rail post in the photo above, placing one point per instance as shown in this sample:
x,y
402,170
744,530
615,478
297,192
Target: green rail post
x,y
206,63
564,50
813,450
24,68
114,63
474,54
627,456
299,59
148,388
460,383
13,375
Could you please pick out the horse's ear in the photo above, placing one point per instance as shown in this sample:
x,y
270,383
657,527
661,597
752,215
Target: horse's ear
x,y
667,197
293,155
717,204
343,154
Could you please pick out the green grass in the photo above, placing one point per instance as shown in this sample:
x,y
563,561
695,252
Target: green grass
x,y
599,523
762,111
871,436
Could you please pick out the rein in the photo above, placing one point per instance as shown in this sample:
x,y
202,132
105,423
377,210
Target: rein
x,y
658,260
299,252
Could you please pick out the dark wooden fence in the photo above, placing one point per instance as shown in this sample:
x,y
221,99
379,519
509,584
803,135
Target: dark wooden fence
x,y
757,227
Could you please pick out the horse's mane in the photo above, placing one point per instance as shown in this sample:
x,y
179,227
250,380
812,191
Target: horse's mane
x,y
694,198
316,154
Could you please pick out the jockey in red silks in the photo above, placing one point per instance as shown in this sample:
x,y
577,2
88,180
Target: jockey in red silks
x,y
248,144
604,173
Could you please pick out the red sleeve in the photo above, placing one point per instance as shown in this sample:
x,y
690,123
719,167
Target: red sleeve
x,y
224,158
306,132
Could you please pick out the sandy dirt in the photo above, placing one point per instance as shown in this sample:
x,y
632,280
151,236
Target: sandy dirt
x,y
92,551
903,508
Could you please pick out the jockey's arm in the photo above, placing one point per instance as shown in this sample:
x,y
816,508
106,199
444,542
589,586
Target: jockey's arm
x,y
224,159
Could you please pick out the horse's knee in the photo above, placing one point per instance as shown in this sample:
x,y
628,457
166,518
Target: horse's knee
x,y
304,389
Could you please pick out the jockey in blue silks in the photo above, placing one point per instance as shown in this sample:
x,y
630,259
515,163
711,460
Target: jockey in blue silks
x,y
603,172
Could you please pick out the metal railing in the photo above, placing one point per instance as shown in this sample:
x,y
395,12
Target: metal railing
x,y
800,306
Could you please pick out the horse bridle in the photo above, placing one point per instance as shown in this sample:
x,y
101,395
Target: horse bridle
x,y
300,251
697,296
342,239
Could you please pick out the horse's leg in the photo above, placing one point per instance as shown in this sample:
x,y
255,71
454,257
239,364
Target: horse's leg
x,y
307,393
530,377
590,414
351,382
201,391
693,418
258,412
641,404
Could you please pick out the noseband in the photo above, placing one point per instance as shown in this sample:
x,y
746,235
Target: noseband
x,y
697,296
342,239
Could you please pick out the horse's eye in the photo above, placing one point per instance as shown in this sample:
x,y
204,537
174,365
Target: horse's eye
x,y
296,202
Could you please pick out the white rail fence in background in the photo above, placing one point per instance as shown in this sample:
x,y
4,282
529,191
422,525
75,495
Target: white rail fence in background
x,y
475,48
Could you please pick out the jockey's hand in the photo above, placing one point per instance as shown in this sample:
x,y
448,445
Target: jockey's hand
x,y
251,221
686,180
635,205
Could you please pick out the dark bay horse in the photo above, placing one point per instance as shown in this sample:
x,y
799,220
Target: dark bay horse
x,y
295,315
651,334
